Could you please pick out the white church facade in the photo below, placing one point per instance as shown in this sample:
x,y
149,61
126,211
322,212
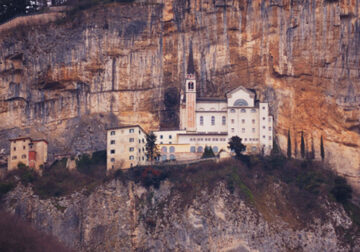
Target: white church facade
x,y
213,121
203,122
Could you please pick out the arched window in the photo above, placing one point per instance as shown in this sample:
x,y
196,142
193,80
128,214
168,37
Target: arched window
x,y
213,120
212,109
215,149
172,157
240,103
164,149
201,120
224,120
163,157
243,110
172,149
232,110
191,85
192,149
200,149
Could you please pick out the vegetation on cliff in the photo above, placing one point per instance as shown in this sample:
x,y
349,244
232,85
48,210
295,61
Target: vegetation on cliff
x,y
299,192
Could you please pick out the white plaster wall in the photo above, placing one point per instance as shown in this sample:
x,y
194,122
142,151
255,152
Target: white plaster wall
x,y
248,137
211,106
122,148
240,94
207,127
265,127
167,137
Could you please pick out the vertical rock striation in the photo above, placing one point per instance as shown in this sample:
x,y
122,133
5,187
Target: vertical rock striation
x,y
114,64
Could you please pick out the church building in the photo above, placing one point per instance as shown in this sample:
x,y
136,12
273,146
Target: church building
x,y
213,121
203,122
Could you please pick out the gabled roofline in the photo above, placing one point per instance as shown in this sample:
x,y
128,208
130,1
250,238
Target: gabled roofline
x,y
251,93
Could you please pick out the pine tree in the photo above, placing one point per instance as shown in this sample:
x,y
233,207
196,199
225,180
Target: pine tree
x,y
152,151
302,146
208,152
322,151
289,145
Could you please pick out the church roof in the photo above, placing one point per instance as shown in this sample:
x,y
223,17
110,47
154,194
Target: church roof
x,y
211,99
190,66
250,92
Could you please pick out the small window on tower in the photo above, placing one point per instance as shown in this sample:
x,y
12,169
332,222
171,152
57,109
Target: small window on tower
x,y
191,85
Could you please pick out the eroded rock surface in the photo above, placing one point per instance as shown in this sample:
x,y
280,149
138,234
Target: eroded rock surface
x,y
67,81
127,217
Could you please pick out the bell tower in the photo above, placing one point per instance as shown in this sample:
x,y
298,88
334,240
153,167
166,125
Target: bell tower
x,y
190,92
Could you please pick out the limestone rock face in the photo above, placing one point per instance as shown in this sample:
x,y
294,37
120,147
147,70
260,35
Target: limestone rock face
x,y
127,217
114,64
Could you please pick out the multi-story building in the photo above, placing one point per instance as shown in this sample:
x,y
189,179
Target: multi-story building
x,y
32,153
125,147
203,122
213,121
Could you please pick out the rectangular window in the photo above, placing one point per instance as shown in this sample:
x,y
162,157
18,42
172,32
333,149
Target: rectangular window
x,y
170,136
131,149
131,158
223,120
112,142
242,120
243,130
112,133
131,130
253,121
14,148
263,127
139,150
23,156
112,160
253,130
269,119
201,120
14,157
131,140
232,121
263,118
232,130
213,120
112,151
23,147
161,137
269,128
269,137
263,107
263,136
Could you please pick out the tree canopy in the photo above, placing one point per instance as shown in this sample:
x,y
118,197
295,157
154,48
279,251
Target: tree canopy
x,y
152,151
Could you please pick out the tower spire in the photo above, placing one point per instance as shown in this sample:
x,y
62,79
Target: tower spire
x,y
190,66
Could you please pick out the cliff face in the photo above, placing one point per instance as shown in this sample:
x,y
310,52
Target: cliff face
x,y
113,64
127,217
